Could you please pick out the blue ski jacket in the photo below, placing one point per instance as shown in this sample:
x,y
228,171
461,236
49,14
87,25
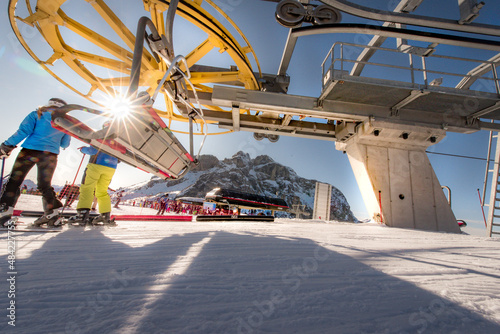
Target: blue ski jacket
x,y
39,134
99,158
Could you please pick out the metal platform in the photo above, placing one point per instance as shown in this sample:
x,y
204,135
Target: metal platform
x,y
404,85
402,96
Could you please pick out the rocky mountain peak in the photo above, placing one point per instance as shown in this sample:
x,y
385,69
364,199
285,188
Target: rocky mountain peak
x,y
262,176
263,159
240,160
207,162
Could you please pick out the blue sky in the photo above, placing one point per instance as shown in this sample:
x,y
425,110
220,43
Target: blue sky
x,y
26,86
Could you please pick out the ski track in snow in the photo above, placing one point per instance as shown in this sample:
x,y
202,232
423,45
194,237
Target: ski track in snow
x,y
290,276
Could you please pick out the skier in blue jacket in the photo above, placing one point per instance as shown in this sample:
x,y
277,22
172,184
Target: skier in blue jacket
x,y
41,147
96,179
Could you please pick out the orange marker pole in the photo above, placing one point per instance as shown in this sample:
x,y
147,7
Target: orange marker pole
x,y
380,204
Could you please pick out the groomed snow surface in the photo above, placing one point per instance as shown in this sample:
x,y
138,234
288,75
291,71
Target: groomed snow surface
x,y
290,276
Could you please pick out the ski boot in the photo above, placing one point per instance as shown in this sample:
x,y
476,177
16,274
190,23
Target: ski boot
x,y
82,218
52,218
5,215
104,219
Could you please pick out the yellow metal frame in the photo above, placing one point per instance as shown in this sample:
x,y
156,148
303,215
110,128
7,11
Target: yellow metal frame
x,y
49,17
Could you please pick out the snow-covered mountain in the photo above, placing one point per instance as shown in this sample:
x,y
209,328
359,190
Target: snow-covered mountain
x,y
262,176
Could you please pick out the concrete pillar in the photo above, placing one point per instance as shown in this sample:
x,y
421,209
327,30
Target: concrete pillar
x,y
390,163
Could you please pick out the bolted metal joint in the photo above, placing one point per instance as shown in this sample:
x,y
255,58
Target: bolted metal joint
x,y
275,84
292,13
157,44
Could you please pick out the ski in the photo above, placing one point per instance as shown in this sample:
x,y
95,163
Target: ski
x,y
16,225
89,227
38,229
33,213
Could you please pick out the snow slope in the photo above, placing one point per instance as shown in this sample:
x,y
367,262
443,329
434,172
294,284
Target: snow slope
x,y
290,276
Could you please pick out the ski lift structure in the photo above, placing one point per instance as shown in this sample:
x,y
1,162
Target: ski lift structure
x,y
383,125
142,140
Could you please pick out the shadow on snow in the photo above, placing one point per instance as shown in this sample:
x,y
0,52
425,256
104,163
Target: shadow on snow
x,y
238,283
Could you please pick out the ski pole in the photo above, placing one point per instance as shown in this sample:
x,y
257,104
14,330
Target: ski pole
x,y
71,187
482,208
1,175
64,191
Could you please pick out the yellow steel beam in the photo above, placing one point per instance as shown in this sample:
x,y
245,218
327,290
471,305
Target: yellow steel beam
x,y
246,49
48,17
52,35
205,21
112,64
214,77
117,82
15,28
97,39
50,7
159,22
122,31
55,56
198,52
35,17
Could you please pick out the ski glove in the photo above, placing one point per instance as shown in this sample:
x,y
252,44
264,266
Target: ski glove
x,y
5,150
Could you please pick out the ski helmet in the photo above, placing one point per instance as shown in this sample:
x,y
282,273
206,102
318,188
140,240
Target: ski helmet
x,y
56,102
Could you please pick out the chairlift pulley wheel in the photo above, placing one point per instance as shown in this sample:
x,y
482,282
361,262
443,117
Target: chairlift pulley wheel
x,y
273,138
325,14
95,61
290,13
258,136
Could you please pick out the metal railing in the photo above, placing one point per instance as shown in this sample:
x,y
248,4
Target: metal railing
x,y
344,57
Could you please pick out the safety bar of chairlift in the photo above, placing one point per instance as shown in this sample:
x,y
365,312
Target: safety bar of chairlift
x,y
100,136
107,133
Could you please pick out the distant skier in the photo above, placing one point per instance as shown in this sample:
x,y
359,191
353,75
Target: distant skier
x,y
119,196
41,147
96,179
162,206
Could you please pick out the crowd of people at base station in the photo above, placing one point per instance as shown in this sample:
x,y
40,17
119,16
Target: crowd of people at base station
x,y
217,212
168,206
163,205
41,144
30,191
